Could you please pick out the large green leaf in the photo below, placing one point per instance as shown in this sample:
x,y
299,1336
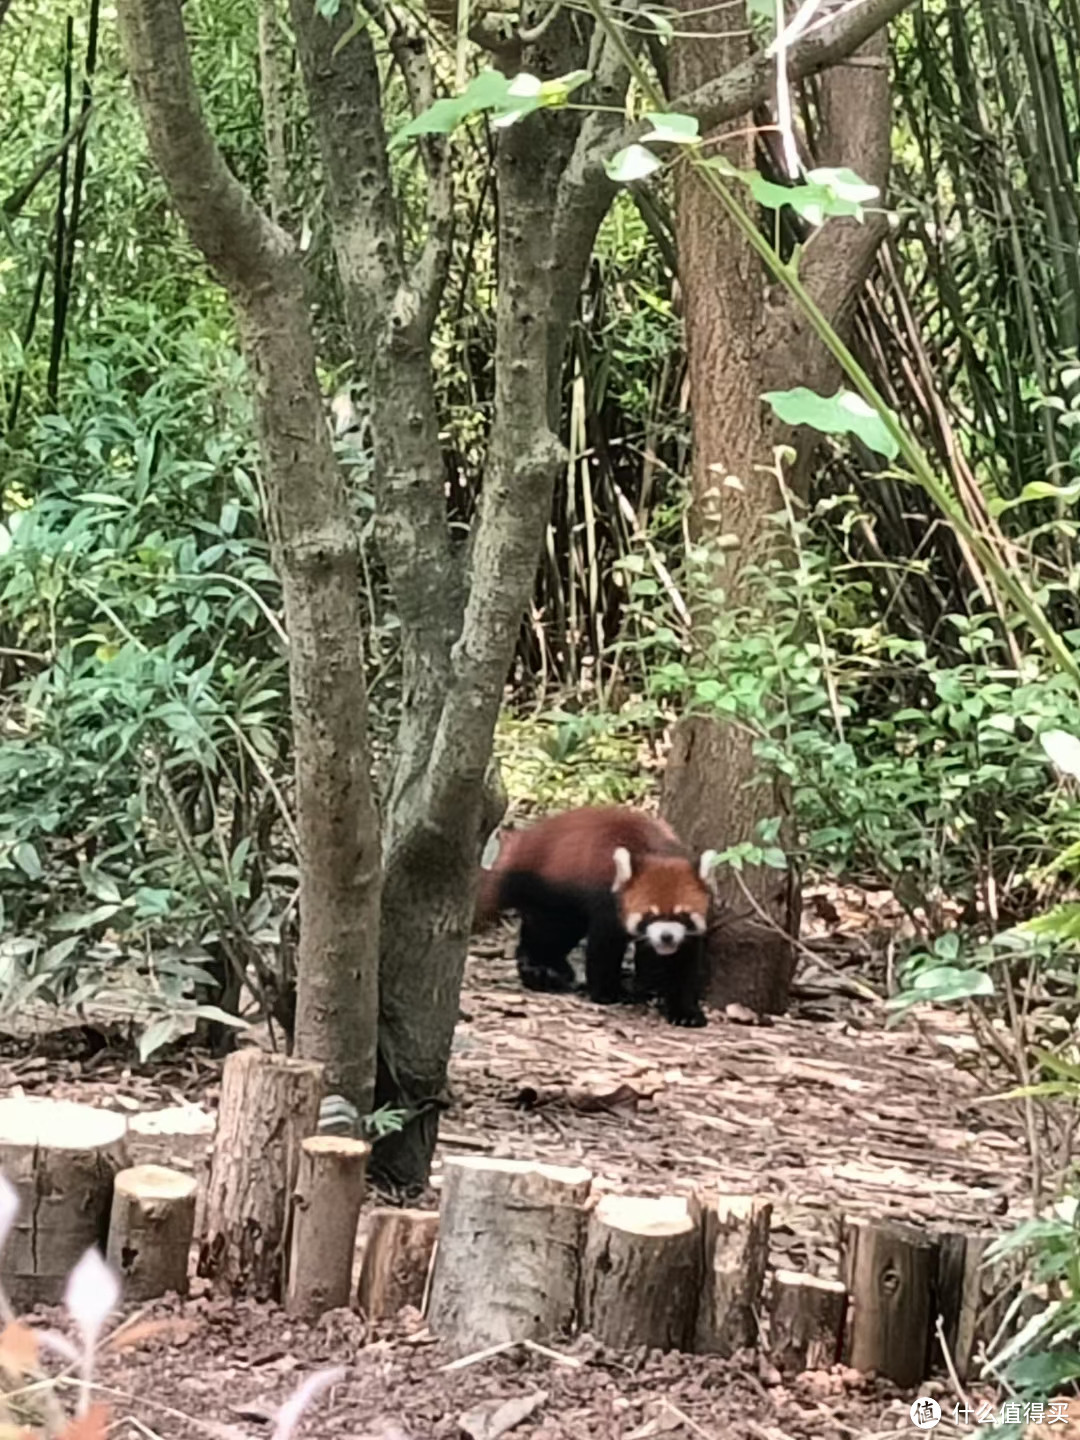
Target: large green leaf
x,y
633,163
509,100
844,413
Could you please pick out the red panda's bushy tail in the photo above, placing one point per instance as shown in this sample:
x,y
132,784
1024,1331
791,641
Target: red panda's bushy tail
x,y
486,908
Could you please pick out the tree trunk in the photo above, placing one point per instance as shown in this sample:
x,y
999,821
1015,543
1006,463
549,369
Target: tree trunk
x,y
62,1159
397,1262
315,551
150,1230
508,1262
641,1272
743,340
269,1105
326,1206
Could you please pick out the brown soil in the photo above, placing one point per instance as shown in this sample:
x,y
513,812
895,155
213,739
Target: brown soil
x,y
825,1112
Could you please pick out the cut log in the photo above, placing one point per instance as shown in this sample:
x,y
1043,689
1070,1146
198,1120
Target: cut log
x,y
180,1137
150,1230
62,1159
326,1206
269,1104
736,1235
959,1298
641,1272
806,1328
889,1273
397,1260
509,1251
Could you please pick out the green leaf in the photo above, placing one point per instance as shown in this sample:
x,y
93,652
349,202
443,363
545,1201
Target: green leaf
x,y
775,858
844,184
219,1016
633,163
839,414
102,887
27,859
1063,749
1060,923
491,90
328,8
761,11
83,919
159,1032
672,128
663,25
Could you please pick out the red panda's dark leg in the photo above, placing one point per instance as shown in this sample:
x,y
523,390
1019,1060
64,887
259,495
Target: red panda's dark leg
x,y
546,940
604,953
685,983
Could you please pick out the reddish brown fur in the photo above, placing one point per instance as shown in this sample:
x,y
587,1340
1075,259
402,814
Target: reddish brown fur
x,y
664,885
578,847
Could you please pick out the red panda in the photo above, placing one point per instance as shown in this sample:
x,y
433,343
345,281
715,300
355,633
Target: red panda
x,y
611,876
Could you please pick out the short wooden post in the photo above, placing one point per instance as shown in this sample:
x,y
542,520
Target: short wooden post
x,y
269,1104
736,1235
61,1159
641,1272
153,1217
889,1271
397,1259
326,1206
806,1322
509,1246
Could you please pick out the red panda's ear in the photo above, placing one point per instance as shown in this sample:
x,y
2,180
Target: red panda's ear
x,y
705,867
623,868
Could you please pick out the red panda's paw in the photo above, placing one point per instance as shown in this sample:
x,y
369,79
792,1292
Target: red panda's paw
x,y
695,1020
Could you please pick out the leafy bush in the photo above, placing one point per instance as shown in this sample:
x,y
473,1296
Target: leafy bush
x,y
141,780
902,767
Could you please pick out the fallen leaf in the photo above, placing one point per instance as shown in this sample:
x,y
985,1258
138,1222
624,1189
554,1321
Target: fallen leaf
x,y
94,1425
177,1328
18,1348
495,1417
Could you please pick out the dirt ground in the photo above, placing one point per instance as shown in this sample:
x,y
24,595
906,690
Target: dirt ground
x,y
825,1112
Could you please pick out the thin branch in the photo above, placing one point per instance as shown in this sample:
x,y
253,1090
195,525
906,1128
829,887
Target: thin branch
x,y
429,274
18,198
751,82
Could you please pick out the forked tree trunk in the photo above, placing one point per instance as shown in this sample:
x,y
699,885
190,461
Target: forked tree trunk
x,y
743,339
315,552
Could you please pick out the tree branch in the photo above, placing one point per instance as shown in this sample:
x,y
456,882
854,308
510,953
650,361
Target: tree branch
x,y
236,237
18,198
749,83
428,277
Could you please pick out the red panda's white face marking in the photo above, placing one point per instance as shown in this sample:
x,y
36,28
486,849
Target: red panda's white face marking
x,y
665,902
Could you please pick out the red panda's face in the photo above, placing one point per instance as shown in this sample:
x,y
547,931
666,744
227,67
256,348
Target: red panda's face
x,y
664,901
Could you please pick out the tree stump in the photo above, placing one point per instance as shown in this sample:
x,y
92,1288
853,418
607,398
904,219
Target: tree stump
x,y
806,1327
269,1104
150,1230
61,1158
326,1206
958,1297
397,1259
889,1272
736,1233
509,1251
641,1272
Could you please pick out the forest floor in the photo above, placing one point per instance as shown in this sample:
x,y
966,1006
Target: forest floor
x,y
824,1112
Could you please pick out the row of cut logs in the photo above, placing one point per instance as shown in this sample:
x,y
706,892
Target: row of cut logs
x,y
518,1251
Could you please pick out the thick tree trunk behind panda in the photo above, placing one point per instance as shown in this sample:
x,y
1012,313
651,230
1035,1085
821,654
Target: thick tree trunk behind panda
x,y
743,339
